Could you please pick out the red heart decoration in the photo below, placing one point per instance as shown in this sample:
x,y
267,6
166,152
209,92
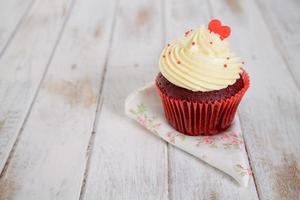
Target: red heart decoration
x,y
216,27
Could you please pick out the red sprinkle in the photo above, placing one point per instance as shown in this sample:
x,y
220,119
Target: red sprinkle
x,y
178,62
225,65
186,33
193,43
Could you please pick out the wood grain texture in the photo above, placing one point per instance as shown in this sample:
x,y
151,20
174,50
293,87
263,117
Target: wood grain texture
x,y
23,65
190,178
127,161
72,82
12,14
270,112
50,156
283,22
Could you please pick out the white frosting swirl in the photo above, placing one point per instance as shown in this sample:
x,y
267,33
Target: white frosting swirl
x,y
200,61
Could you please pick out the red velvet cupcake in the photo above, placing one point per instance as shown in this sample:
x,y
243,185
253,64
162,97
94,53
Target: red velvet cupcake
x,y
201,82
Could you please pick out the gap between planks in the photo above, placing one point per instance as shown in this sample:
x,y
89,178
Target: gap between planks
x,y
248,157
11,153
139,9
89,149
241,125
275,41
167,146
16,28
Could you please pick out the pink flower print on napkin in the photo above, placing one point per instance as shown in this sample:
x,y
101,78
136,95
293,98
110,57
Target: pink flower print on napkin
x,y
171,136
208,140
142,120
243,171
141,107
232,140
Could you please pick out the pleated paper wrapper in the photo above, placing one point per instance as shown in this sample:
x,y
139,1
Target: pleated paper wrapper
x,y
202,118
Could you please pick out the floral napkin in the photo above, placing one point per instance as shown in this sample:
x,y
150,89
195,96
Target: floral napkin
x,y
224,151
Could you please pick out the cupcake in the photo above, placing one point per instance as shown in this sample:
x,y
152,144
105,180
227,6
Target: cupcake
x,y
201,81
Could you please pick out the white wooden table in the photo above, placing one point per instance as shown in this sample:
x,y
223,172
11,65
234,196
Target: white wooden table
x,y
66,67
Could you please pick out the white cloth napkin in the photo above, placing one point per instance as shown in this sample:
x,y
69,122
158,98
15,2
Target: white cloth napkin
x,y
224,151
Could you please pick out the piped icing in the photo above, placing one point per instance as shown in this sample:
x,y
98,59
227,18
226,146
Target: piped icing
x,y
200,61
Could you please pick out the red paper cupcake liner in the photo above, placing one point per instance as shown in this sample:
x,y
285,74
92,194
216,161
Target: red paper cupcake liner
x,y
202,118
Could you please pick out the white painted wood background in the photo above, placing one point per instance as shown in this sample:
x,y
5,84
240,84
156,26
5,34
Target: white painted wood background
x,y
66,67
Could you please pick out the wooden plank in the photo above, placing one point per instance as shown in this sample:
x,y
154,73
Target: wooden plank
x,y
189,177
49,159
270,112
127,161
23,65
283,21
11,14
